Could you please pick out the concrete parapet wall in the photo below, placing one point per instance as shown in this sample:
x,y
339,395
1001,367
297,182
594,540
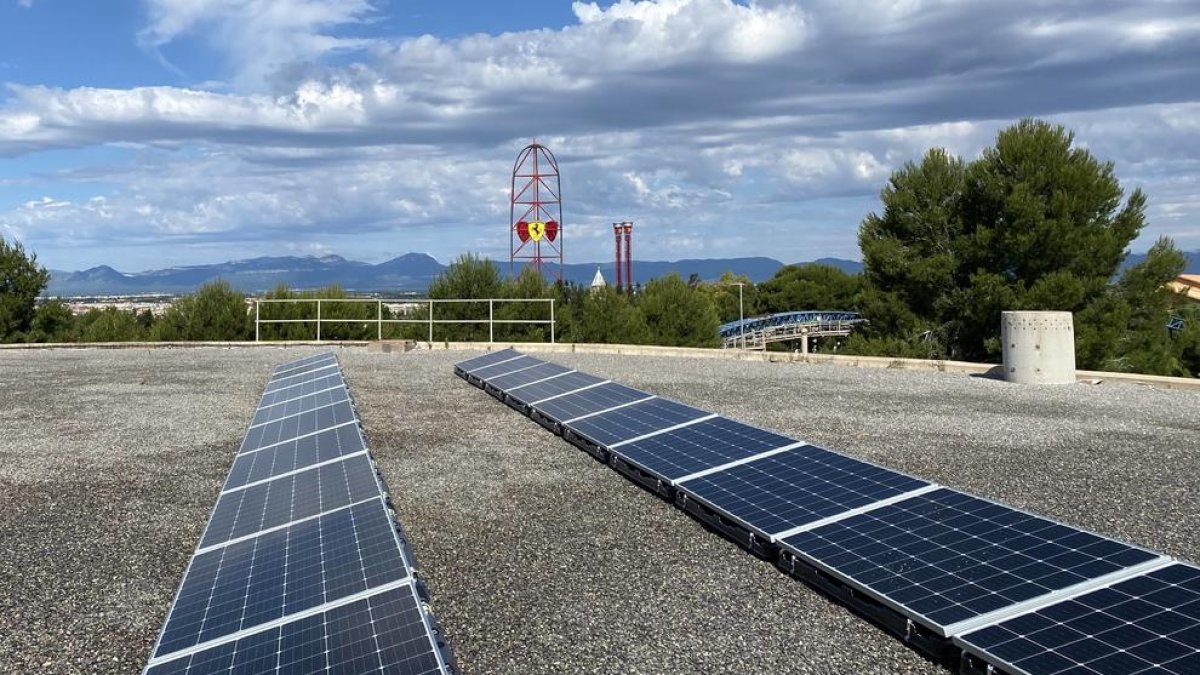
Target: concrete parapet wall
x,y
990,369
944,366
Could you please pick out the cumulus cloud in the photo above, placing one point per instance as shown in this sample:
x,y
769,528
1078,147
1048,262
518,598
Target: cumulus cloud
x,y
688,115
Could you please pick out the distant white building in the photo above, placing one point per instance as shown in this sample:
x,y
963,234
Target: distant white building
x,y
598,281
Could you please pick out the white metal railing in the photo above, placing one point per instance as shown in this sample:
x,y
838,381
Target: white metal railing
x,y
379,321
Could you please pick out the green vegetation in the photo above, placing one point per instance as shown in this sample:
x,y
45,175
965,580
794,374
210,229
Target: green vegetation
x,y
1034,223
21,280
214,313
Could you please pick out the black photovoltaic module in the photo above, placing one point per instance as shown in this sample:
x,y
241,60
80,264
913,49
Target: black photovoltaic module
x,y
997,588
301,568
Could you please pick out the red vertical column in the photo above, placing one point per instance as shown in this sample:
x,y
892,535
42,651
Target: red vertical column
x,y
617,265
629,256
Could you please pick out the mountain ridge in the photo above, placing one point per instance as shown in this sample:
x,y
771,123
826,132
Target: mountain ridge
x,y
411,272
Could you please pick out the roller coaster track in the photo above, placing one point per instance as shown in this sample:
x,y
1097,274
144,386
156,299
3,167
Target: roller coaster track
x,y
759,331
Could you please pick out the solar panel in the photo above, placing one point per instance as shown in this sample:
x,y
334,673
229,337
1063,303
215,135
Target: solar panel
x,y
588,401
295,454
282,572
333,379
301,567
1147,624
486,360
296,426
633,421
947,557
295,406
300,378
486,373
290,497
304,365
699,446
899,548
527,375
383,633
291,365
795,487
562,384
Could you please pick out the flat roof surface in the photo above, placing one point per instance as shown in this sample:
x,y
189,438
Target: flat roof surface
x,y
538,558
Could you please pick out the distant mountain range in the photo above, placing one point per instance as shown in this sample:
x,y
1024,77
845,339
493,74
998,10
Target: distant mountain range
x,y
411,272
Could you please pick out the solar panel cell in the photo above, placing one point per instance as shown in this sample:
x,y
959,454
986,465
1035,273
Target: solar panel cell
x,y
282,572
700,446
295,454
589,401
292,380
796,487
555,387
383,633
296,406
629,422
527,375
947,557
288,428
486,360
291,497
333,379
486,373
326,356
1150,624
303,366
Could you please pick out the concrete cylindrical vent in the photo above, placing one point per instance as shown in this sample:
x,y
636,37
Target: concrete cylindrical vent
x,y
1039,347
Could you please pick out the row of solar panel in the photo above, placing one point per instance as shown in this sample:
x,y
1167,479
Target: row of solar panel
x,y
1012,589
302,566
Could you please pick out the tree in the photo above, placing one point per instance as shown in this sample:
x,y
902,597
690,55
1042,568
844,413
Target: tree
x,y
528,284
53,321
608,316
725,294
810,287
21,281
678,314
468,277
1035,223
109,325
214,313
1145,344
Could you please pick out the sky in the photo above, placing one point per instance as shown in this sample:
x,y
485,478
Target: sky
x,y
144,134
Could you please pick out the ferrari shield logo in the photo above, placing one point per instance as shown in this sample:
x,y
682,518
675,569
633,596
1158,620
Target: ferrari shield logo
x,y
536,229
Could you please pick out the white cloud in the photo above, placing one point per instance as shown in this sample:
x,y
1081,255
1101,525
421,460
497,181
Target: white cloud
x,y
684,115
258,36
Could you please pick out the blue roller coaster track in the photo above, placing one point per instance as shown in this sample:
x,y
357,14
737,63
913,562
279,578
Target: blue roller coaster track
x,y
768,321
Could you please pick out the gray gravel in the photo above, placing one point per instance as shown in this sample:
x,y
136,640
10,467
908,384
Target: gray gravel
x,y
539,559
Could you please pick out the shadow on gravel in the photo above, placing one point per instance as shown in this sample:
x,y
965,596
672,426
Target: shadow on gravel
x,y
993,373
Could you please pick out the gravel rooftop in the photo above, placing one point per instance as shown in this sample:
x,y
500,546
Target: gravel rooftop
x,y
538,558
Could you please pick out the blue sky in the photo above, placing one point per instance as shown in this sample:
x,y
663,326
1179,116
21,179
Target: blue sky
x,y
152,133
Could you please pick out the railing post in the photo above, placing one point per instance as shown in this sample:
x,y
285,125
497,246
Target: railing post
x,y
431,322
318,319
256,316
379,319
491,324
552,321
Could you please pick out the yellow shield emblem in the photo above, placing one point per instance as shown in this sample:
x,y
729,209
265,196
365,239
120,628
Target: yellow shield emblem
x,y
536,229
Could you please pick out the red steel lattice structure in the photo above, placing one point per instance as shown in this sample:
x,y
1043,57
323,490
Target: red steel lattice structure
x,y
535,211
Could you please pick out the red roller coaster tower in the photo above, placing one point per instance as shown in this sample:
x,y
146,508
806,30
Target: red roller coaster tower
x,y
535,210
